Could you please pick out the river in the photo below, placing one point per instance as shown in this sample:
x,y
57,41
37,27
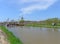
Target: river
x,y
37,35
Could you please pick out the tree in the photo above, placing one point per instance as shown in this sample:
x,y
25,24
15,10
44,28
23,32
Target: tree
x,y
22,21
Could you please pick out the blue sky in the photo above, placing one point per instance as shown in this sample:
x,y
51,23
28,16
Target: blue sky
x,y
30,9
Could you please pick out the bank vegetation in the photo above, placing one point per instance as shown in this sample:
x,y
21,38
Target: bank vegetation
x,y
10,36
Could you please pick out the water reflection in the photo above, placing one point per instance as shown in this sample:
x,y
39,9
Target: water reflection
x,y
35,28
37,35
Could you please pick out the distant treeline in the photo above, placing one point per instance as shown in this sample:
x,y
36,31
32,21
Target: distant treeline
x,y
45,23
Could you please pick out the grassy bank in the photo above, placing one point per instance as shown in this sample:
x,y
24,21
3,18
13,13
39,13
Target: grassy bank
x,y
44,26
45,23
12,39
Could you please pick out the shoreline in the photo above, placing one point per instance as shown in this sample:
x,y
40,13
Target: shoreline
x,y
10,36
3,38
42,26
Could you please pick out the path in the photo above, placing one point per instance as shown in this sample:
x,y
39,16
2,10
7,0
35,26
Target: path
x,y
3,38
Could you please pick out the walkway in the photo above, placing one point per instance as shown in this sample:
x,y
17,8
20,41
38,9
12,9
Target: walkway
x,y
3,38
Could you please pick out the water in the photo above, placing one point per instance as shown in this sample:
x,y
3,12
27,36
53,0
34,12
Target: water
x,y
36,35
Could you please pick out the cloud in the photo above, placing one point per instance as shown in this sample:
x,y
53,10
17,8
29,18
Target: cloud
x,y
32,5
28,6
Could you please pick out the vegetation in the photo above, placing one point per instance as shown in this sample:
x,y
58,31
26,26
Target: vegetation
x,y
46,23
11,38
22,20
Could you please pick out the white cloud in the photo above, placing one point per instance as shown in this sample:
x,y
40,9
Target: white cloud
x,y
28,1
28,6
36,5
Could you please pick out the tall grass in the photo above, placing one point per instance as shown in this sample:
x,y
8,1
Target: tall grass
x,y
12,39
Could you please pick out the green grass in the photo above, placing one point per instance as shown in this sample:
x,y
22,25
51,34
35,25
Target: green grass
x,y
11,38
42,25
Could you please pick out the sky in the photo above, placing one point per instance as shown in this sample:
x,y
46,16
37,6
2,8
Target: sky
x,y
34,10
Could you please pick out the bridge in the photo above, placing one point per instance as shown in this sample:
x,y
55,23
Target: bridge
x,y
11,24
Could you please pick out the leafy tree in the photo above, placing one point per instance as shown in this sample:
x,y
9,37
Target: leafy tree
x,y
22,21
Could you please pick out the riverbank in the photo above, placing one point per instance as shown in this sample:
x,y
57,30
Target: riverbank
x,y
48,23
43,26
11,38
3,38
